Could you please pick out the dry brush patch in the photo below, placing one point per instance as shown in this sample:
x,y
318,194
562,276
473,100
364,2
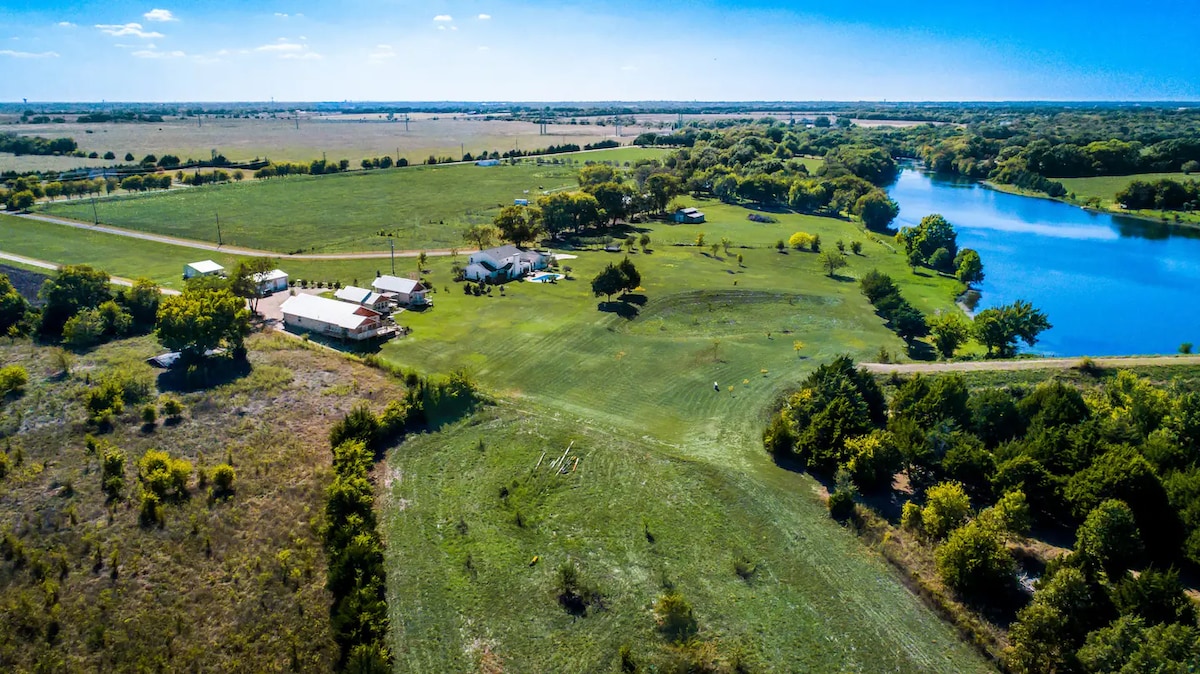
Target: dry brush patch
x,y
224,580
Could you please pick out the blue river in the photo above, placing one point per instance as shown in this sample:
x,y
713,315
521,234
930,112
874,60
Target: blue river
x,y
1110,285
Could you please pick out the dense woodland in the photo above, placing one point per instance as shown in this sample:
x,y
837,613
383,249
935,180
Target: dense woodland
x,y
1111,464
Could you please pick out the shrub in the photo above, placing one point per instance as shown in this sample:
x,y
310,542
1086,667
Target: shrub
x,y
162,475
13,379
946,508
360,424
674,617
841,504
112,470
149,415
222,478
910,517
171,407
975,562
84,329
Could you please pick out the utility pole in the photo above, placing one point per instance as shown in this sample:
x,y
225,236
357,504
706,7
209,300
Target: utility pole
x,y
219,241
95,216
392,245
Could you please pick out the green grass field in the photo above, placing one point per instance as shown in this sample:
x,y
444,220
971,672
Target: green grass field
x,y
422,206
464,596
1105,187
656,441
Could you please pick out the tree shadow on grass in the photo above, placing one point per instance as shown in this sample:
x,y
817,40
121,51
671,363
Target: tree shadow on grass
x,y
203,374
842,278
634,298
622,309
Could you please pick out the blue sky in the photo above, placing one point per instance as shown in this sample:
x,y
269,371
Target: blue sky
x,y
551,51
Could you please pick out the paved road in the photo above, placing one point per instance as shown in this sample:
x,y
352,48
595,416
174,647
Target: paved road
x,y
232,250
1028,364
42,264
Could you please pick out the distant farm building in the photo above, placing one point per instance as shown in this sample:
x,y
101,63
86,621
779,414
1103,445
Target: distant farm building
x,y
504,263
202,268
520,202
363,297
271,282
488,162
402,291
333,318
688,216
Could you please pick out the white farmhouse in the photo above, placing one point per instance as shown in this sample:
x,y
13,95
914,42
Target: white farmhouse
x,y
402,291
202,268
333,318
504,263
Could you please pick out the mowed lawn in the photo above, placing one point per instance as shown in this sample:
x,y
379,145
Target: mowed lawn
x,y
705,319
420,206
465,596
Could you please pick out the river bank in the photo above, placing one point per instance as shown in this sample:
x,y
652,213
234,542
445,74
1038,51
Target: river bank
x,y
1190,220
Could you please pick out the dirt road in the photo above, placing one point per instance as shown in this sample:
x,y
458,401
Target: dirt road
x,y
231,250
1029,364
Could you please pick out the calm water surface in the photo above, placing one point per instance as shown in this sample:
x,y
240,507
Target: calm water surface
x,y
1110,285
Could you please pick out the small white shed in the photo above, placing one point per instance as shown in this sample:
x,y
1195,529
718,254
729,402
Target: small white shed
x,y
203,268
271,282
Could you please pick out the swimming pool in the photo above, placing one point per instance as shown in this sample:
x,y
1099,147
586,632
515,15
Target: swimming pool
x,y
544,277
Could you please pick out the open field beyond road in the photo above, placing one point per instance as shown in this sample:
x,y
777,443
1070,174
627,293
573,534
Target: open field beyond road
x,y
336,136
422,207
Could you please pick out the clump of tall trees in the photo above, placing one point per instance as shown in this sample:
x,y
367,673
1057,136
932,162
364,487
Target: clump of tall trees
x,y
1110,462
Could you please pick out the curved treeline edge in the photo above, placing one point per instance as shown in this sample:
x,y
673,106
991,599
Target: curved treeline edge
x,y
1110,460
356,578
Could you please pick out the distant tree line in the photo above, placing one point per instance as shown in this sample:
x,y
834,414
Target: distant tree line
x,y
20,145
1163,194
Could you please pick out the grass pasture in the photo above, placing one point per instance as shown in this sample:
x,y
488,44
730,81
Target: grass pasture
x,y
464,596
1106,187
422,206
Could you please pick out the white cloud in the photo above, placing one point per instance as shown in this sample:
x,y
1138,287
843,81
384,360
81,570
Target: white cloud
x,y
160,15
441,28
484,48
65,24
281,15
306,56
283,47
484,17
443,17
29,54
152,54
381,53
120,30
453,27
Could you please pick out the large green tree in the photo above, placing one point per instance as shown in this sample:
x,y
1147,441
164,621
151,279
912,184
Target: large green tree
x,y
950,331
999,328
876,209
202,319
519,224
609,281
613,199
73,289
